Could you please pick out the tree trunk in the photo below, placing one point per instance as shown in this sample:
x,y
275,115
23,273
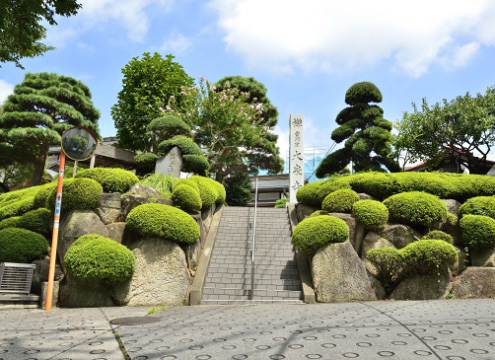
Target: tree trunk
x,y
39,167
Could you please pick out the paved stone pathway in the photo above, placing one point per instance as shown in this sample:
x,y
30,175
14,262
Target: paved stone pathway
x,y
402,330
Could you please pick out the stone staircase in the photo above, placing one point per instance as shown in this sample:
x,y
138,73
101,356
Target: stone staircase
x,y
230,279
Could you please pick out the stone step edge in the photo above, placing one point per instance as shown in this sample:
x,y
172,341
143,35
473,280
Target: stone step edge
x,y
301,302
224,288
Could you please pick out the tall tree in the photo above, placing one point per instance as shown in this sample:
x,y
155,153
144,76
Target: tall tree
x,y
42,107
462,129
20,27
148,84
367,134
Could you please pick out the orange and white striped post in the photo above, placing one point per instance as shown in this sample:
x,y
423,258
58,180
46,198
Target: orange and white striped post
x,y
56,222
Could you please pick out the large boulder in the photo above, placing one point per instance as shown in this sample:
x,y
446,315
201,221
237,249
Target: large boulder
x,y
452,206
76,224
372,241
138,195
75,293
399,235
116,232
339,275
475,282
303,211
160,276
424,287
461,262
377,287
109,207
356,229
40,274
483,257
363,196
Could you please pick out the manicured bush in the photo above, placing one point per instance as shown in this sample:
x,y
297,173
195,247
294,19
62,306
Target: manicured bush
x,y
207,191
418,209
112,180
222,195
196,164
327,187
10,222
145,163
43,193
389,265
362,92
186,198
78,193
439,235
451,220
340,201
96,259
13,196
18,207
427,256
378,185
187,182
478,231
371,213
315,232
308,194
168,126
36,220
21,245
186,145
280,203
318,213
167,222
480,205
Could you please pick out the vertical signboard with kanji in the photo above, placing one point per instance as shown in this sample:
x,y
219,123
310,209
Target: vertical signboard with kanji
x,y
296,156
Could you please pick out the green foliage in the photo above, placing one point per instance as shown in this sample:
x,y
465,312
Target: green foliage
x,y
389,265
238,189
451,221
162,184
340,201
164,221
17,207
314,193
478,231
21,245
371,213
280,203
427,256
40,109
480,205
207,191
451,130
186,145
77,193
186,198
418,209
22,26
318,213
43,193
145,162
315,232
154,309
147,86
36,220
10,222
112,180
439,235
222,194
187,182
167,127
365,131
196,164
96,259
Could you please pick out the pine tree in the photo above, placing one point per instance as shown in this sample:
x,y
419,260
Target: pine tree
x,y
42,107
366,132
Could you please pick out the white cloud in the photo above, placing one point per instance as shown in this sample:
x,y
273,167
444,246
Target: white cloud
x,y
335,35
5,90
176,44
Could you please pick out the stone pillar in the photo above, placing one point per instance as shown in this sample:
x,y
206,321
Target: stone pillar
x,y
170,164
296,156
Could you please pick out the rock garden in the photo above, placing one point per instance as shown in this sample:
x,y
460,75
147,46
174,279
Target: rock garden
x,y
398,236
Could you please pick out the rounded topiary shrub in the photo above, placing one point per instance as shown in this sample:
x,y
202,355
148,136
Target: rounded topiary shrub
x,y
43,193
186,198
308,194
196,164
428,256
329,186
96,259
363,92
340,201
21,245
167,222
418,209
207,191
168,126
478,230
187,182
112,180
10,222
17,207
318,213
480,205
389,265
36,220
222,194
314,232
78,193
371,213
186,145
439,235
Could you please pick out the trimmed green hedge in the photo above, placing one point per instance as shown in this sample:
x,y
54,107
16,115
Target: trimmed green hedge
x,y
43,193
17,207
480,205
371,213
389,265
439,235
78,193
222,195
38,220
21,245
314,193
340,201
186,198
418,209
427,256
168,126
196,164
168,222
94,258
318,213
186,145
207,191
478,231
187,182
10,222
315,232
112,180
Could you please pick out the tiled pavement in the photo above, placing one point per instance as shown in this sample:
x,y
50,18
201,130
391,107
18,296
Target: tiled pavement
x,y
401,330
231,279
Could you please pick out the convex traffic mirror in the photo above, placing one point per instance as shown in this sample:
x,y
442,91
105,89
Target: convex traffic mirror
x,y
79,143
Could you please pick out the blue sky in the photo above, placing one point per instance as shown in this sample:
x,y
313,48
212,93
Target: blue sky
x,y
307,53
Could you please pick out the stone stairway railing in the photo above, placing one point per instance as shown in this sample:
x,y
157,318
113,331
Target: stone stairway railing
x,y
275,277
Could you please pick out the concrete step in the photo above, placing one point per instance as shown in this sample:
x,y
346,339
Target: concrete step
x,y
230,269
259,294
281,285
246,265
251,302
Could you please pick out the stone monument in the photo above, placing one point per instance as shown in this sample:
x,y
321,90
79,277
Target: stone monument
x,y
170,164
296,156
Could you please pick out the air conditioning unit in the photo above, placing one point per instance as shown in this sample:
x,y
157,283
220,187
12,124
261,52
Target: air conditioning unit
x,y
16,278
